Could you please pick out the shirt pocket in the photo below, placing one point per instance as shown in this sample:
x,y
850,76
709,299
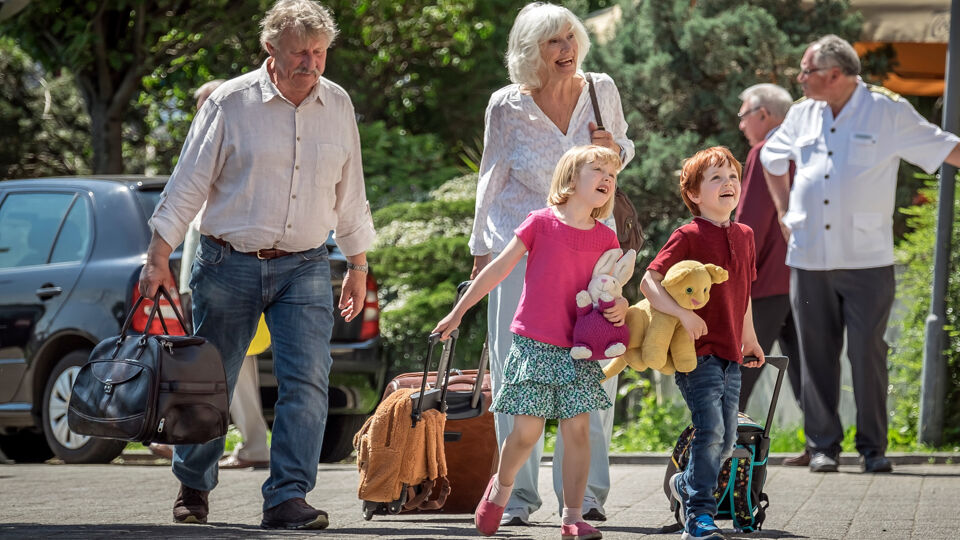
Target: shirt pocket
x,y
797,222
862,149
328,169
870,232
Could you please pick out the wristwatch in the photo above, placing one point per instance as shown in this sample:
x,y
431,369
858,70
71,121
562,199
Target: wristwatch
x,y
358,267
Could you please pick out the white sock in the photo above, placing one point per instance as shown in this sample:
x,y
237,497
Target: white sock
x,y
572,516
500,493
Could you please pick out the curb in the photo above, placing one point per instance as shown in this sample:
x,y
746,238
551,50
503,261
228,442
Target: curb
x,y
652,458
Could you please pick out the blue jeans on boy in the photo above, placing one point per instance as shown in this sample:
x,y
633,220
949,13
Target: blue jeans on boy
x,y
230,291
712,393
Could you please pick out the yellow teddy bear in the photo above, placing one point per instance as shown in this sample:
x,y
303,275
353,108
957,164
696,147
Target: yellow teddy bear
x,y
658,340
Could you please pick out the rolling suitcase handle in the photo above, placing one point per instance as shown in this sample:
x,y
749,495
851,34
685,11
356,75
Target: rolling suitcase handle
x,y
779,362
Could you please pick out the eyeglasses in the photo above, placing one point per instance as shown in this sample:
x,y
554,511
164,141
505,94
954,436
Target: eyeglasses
x,y
807,72
744,114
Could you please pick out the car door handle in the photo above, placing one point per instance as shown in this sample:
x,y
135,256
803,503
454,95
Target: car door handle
x,y
49,291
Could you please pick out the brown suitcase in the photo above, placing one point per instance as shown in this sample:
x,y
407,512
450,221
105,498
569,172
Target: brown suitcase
x,y
470,443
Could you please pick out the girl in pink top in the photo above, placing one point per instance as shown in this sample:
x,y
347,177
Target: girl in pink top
x,y
541,379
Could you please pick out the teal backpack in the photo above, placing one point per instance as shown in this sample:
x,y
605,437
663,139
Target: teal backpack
x,y
739,493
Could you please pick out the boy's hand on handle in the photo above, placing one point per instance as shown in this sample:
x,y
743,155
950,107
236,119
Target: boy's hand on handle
x,y
751,348
446,326
694,325
479,261
617,314
602,137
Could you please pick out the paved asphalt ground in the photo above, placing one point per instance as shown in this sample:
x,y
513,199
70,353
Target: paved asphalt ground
x,y
917,501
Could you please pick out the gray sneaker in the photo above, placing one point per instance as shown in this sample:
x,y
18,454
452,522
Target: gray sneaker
x,y
675,491
821,462
515,516
592,511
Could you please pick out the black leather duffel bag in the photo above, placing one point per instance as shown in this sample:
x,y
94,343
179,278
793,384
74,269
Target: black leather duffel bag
x,y
151,388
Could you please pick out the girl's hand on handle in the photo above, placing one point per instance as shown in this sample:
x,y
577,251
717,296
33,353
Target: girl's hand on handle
x,y
694,325
602,137
447,325
479,261
617,313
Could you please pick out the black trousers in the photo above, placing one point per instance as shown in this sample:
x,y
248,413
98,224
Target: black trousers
x,y
773,321
824,303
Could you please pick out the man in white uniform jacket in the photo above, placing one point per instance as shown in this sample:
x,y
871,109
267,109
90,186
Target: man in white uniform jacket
x,y
847,139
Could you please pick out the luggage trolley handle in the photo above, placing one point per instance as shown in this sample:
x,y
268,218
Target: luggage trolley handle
x,y
434,401
484,356
779,362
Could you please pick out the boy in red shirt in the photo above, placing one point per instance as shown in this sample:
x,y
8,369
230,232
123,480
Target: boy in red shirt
x,y
723,329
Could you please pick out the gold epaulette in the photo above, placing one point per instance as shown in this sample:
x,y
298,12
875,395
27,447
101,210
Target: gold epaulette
x,y
801,100
885,91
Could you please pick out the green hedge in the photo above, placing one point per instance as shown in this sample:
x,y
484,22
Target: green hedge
x,y
915,252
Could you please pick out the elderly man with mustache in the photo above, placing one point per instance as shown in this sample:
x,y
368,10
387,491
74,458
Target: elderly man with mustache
x,y
276,155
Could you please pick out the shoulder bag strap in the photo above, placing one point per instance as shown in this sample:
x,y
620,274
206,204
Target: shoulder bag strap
x,y
593,99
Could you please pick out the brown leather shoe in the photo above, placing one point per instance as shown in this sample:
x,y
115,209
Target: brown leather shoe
x,y
161,450
234,462
191,505
799,461
294,514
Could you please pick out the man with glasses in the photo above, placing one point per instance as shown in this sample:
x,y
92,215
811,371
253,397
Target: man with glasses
x,y
763,109
847,140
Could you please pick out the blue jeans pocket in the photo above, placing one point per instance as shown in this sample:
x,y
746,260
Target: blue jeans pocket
x,y
209,252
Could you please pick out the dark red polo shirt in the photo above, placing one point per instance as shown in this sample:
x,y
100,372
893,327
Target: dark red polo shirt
x,y
757,211
731,248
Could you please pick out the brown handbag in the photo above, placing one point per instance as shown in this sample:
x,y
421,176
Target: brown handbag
x,y
629,233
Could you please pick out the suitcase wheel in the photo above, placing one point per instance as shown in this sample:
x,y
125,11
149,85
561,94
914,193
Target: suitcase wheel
x,y
396,506
368,509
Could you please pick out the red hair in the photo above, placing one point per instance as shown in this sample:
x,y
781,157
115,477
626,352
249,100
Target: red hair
x,y
693,168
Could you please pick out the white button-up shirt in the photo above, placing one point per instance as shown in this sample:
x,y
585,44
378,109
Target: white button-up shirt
x,y
521,148
274,174
842,201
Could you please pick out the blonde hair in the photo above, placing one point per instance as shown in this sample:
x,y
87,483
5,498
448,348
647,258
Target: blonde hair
x,y
536,23
304,17
567,172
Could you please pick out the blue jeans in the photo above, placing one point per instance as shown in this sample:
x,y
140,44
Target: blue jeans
x,y
230,291
712,392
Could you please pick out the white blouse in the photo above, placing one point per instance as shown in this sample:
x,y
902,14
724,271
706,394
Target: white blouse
x,y
521,148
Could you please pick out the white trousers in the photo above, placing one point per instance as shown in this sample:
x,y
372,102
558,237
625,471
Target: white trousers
x,y
503,302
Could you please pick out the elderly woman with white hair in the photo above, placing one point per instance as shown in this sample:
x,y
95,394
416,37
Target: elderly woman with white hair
x,y
529,124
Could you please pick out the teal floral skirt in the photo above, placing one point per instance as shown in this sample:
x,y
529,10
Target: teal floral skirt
x,y
543,380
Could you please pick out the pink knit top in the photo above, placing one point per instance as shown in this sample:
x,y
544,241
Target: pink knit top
x,y
560,263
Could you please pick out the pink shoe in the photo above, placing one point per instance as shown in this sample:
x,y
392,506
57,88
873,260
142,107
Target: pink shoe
x,y
487,517
580,530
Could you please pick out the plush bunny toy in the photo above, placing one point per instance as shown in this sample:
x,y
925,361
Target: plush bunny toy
x,y
594,337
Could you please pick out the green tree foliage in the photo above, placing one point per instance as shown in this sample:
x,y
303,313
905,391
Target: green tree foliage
x,y
391,175
110,46
680,66
915,252
426,66
42,124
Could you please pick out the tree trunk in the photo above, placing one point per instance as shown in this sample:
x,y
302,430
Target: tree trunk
x,y
106,132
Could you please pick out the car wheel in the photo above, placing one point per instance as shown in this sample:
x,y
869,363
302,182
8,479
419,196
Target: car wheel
x,y
338,436
67,445
25,447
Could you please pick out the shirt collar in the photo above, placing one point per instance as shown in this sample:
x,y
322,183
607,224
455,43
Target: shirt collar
x,y
268,90
771,132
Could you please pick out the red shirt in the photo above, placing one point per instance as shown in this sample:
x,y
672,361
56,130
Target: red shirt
x,y
757,211
731,248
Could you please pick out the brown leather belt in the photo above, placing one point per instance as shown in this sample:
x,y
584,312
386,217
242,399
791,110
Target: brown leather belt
x,y
260,253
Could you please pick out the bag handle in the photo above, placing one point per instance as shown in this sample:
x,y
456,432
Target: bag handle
x,y
593,99
161,291
779,362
